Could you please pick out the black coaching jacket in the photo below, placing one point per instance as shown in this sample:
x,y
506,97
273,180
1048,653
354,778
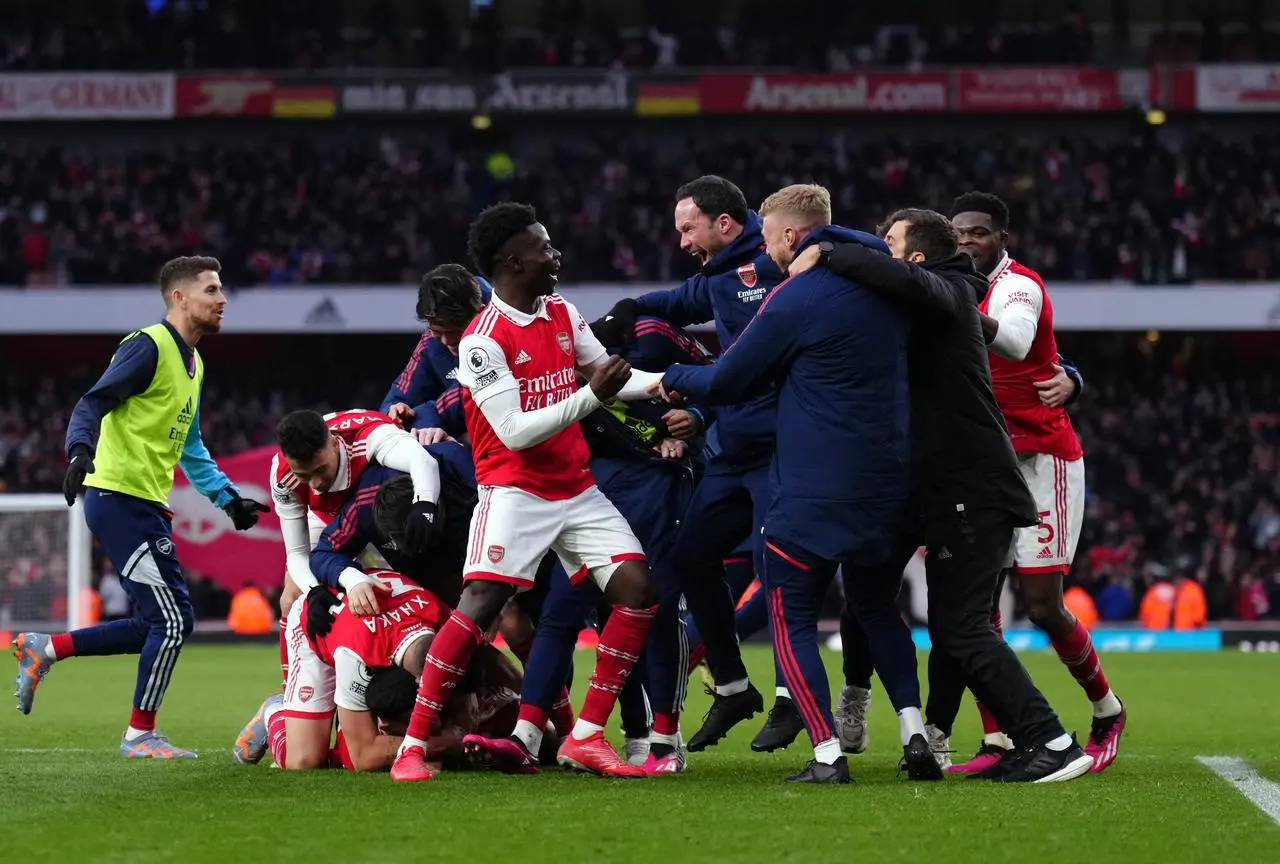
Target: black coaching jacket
x,y
961,453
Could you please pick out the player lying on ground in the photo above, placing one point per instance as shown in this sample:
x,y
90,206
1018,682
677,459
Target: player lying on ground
x,y
338,657
520,359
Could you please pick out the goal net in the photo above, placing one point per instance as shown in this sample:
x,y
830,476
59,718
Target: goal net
x,y
44,563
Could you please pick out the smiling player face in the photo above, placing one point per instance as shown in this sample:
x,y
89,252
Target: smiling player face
x,y
538,260
201,301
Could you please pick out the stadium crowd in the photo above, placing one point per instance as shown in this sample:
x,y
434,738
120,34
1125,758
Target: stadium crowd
x,y
661,34
1181,447
1157,208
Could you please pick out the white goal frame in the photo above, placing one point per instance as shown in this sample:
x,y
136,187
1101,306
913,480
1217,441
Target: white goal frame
x,y
79,542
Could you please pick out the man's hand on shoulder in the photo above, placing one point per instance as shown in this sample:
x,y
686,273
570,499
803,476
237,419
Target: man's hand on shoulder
x,y
806,260
244,512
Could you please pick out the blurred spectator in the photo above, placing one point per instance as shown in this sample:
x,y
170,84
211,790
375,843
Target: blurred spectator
x,y
385,208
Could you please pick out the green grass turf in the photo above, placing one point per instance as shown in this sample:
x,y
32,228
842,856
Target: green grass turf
x,y
71,798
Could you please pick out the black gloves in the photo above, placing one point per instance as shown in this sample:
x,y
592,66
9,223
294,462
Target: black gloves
x,y
80,464
244,512
422,528
320,602
617,329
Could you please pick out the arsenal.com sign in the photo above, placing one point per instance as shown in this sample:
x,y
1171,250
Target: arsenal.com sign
x,y
86,96
824,94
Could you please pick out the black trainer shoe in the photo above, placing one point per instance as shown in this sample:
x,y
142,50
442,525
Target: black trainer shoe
x,y
782,727
1039,764
819,772
918,760
726,712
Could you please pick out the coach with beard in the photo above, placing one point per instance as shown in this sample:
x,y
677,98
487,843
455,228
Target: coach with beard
x,y
969,491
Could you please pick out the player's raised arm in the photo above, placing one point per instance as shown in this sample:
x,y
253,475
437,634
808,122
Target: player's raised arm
x,y
291,510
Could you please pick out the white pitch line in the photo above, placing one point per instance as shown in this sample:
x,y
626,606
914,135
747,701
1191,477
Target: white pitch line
x,y
1264,793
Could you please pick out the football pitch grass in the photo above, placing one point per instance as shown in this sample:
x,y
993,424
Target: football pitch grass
x,y
70,797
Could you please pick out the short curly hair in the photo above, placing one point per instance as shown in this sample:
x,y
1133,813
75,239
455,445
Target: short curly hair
x,y
983,202
449,295
492,229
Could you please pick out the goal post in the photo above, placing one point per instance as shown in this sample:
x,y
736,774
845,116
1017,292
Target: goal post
x,y
45,554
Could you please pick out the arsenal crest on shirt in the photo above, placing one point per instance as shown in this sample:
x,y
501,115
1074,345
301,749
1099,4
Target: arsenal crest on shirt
x,y
566,344
495,553
747,273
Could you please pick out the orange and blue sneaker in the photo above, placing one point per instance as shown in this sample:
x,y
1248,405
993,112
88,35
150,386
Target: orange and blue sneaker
x,y
32,651
152,745
251,744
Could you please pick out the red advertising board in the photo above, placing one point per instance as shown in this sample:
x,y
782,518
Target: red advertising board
x,y
227,96
824,94
1046,89
208,543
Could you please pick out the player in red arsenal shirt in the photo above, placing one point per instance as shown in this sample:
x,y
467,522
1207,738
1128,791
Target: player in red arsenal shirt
x,y
519,361
1017,319
319,464
338,658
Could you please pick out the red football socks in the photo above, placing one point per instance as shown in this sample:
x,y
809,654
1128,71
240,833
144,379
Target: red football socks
x,y
447,661
143,721
276,738
1077,654
63,646
616,655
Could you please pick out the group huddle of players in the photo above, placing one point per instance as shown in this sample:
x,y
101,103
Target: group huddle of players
x,y
523,477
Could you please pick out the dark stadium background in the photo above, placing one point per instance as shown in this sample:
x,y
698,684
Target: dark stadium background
x,y
281,146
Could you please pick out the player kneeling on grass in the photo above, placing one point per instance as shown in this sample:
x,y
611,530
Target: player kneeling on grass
x,y
333,657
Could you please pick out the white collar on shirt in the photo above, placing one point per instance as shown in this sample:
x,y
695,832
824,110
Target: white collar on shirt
x,y
1001,266
343,478
522,319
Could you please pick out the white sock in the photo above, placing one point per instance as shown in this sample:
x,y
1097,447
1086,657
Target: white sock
x,y
49,652
669,740
411,742
999,739
828,751
132,734
909,723
582,729
271,712
783,693
1107,706
733,687
1062,742
529,735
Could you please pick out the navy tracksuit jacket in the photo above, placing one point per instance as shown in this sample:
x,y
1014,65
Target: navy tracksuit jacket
x,y
430,374
838,354
353,528
729,502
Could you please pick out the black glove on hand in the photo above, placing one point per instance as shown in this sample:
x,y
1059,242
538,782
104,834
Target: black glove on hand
x,y
244,512
618,328
320,602
80,464
422,528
